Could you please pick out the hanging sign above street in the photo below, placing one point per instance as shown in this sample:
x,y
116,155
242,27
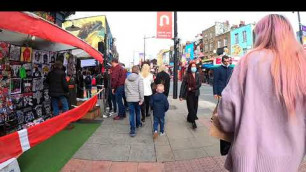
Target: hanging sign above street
x,y
164,25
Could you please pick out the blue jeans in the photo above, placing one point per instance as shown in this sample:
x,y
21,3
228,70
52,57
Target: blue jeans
x,y
161,122
55,101
113,100
119,98
134,108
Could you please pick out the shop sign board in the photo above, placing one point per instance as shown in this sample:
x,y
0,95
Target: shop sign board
x,y
164,25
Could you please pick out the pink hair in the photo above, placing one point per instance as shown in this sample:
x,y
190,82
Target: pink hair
x,y
275,33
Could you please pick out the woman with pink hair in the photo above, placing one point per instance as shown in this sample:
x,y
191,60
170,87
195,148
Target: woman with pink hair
x,y
263,104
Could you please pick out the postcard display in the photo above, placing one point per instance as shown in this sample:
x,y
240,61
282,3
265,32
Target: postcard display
x,y
24,98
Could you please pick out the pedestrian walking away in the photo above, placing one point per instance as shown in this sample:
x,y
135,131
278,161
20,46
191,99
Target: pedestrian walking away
x,y
88,84
160,105
58,88
134,95
147,82
118,76
222,75
190,91
163,78
263,105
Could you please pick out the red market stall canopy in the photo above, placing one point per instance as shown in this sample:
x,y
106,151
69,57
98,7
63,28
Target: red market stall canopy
x,y
17,27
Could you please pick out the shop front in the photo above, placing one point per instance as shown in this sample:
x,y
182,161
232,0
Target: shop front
x,y
29,46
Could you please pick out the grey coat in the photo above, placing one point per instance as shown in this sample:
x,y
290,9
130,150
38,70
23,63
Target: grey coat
x,y
133,88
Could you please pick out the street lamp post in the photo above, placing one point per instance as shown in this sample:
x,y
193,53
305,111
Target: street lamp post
x,y
300,28
175,69
144,46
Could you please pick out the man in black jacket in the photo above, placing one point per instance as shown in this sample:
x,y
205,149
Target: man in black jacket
x,y
222,75
163,78
58,88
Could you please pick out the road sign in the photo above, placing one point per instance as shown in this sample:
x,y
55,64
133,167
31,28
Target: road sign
x,y
164,25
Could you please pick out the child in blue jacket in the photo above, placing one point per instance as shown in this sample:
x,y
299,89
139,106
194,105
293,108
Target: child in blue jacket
x,y
160,105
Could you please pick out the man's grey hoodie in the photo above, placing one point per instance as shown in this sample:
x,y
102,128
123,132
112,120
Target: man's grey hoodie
x,y
133,88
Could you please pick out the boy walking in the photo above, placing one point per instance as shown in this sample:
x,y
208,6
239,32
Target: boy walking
x,y
160,105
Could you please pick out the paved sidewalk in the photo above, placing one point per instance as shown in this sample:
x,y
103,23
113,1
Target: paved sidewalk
x,y
111,148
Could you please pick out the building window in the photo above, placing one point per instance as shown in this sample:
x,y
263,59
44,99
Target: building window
x,y
211,35
206,47
219,44
236,39
244,35
244,51
225,42
211,47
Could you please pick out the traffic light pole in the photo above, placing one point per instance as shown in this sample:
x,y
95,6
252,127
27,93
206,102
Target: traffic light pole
x,y
175,69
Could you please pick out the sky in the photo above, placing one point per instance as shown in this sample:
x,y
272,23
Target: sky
x,y
129,28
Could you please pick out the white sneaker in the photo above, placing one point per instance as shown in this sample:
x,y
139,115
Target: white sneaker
x,y
161,134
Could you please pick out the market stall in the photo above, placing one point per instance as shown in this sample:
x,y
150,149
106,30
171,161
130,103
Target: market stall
x,y
29,45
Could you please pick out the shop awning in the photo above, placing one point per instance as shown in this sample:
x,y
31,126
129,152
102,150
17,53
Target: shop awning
x,y
46,33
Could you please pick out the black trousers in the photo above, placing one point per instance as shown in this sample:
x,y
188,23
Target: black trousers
x,y
192,106
145,107
224,147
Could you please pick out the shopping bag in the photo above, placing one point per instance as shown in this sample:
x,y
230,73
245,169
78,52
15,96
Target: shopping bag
x,y
215,128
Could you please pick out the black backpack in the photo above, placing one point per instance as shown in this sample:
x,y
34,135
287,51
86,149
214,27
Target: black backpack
x,y
88,80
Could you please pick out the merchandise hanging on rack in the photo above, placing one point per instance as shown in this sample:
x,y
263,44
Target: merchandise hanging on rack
x,y
38,84
26,54
46,57
14,53
53,56
15,85
37,70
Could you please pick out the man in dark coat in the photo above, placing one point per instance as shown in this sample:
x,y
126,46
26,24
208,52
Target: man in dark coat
x,y
58,88
222,75
163,78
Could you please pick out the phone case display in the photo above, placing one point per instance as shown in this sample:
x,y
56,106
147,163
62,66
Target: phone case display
x,y
28,99
28,114
20,117
15,86
28,69
37,57
47,109
38,111
14,53
37,97
46,96
17,101
27,85
45,69
26,54
38,84
45,57
15,69
71,70
37,70
4,50
53,56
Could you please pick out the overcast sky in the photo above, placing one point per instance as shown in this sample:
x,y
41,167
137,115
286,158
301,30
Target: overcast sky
x,y
129,28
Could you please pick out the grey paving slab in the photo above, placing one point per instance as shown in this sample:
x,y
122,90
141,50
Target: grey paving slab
x,y
185,143
212,150
87,151
142,152
164,153
178,131
113,152
188,154
162,141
